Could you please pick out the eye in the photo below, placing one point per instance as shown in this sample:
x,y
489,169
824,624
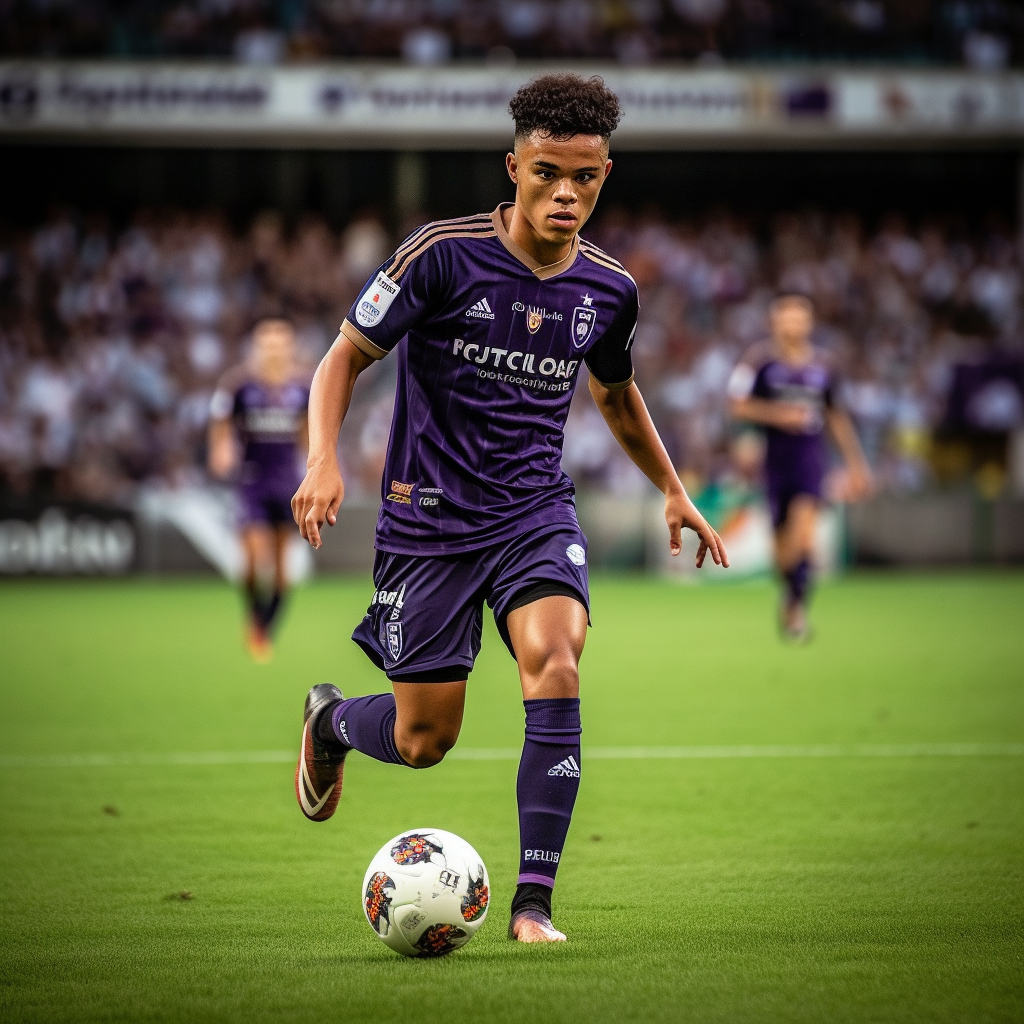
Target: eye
x,y
585,177
546,175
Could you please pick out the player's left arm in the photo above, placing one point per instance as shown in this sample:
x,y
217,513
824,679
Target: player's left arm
x,y
861,481
625,412
610,363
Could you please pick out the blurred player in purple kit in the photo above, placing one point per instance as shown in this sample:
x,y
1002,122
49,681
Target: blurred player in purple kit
x,y
788,386
258,428
491,318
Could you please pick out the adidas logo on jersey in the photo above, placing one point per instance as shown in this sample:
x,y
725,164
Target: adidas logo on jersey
x,y
481,310
568,768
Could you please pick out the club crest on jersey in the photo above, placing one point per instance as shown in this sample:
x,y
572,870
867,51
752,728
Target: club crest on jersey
x,y
584,320
394,630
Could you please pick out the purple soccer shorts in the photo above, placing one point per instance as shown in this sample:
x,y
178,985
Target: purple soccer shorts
x,y
784,487
264,504
426,617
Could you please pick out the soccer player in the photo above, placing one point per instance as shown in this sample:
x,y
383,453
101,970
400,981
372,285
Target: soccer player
x,y
492,317
788,387
260,408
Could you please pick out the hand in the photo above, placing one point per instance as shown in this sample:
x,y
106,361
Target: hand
x,y
793,417
318,499
680,514
860,483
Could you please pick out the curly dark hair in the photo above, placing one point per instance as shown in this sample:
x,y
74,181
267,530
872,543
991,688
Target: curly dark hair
x,y
564,105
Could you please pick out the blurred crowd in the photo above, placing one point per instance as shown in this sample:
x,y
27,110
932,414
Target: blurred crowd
x,y
111,341
981,33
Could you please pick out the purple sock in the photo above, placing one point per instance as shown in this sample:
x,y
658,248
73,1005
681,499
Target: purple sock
x,y
798,582
367,724
549,778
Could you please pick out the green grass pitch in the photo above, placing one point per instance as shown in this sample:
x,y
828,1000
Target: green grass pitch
x,y
715,889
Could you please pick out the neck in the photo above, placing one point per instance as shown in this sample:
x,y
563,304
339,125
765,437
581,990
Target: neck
x,y
522,232
794,351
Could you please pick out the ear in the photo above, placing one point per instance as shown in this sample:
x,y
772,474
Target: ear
x,y
511,166
607,168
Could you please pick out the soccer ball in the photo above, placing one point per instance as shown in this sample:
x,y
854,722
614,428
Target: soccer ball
x,y
426,893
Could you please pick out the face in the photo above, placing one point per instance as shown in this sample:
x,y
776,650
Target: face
x,y
792,320
274,344
557,183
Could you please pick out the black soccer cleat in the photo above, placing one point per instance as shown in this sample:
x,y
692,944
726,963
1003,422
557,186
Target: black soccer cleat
x,y
321,764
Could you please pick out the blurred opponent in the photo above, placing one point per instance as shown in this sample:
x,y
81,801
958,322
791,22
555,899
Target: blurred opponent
x,y
788,386
258,434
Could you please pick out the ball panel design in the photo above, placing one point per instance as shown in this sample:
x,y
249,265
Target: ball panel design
x,y
377,900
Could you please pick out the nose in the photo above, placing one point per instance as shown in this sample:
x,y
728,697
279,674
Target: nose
x,y
565,193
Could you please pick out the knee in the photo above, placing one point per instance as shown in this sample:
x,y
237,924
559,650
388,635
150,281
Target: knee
x,y
552,673
425,748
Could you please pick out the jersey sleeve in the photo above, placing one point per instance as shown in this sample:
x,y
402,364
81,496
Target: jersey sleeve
x,y
225,401
747,378
610,358
398,297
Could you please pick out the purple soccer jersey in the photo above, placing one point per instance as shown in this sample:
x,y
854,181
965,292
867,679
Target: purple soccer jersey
x,y
269,421
795,463
490,346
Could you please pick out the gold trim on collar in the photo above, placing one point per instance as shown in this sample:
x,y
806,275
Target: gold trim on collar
x,y
542,273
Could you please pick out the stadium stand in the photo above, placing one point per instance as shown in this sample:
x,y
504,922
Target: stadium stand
x,y
985,34
111,341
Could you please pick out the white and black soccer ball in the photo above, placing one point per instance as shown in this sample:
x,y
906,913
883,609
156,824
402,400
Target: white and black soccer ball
x,y
426,892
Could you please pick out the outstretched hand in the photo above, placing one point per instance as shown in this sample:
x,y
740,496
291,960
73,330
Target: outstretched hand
x,y
680,514
318,499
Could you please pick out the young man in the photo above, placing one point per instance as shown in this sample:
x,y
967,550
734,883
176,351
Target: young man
x,y
788,387
492,317
260,407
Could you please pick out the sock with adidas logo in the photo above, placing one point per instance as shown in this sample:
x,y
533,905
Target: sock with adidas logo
x,y
549,778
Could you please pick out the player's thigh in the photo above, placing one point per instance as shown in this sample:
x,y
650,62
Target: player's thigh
x,y
433,709
548,637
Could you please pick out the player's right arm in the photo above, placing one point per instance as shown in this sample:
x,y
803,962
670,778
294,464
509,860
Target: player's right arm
x,y
221,451
322,490
394,300
746,404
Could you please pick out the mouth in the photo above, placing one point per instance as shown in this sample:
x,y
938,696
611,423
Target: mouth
x,y
563,219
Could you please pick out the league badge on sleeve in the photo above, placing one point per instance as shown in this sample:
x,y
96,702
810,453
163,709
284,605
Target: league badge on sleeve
x,y
376,300
584,320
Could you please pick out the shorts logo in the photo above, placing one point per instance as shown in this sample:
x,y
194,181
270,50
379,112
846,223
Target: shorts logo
x,y
584,320
576,554
395,639
376,300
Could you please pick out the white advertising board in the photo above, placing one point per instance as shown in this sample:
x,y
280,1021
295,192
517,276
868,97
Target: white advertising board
x,y
391,106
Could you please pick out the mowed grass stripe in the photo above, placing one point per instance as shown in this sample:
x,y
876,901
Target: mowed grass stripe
x,y
231,757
